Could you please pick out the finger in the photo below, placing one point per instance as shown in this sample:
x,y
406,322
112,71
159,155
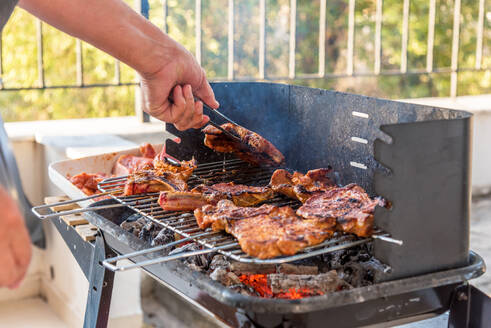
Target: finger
x,y
20,243
18,272
188,119
15,285
178,109
187,91
203,122
198,115
8,273
206,94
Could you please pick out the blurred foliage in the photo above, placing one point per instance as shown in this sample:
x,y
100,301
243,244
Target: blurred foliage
x,y
21,70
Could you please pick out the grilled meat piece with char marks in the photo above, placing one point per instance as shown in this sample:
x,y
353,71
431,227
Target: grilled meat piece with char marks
x,y
164,177
254,148
87,182
181,200
184,169
147,182
264,232
301,186
349,206
241,195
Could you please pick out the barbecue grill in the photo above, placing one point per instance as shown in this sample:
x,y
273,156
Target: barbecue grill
x,y
416,157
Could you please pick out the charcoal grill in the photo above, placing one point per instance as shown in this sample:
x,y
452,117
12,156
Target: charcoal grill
x,y
415,156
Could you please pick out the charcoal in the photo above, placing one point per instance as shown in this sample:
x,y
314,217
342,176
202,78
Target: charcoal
x,y
218,275
251,268
219,261
324,282
225,277
287,268
164,236
197,262
149,231
134,226
195,267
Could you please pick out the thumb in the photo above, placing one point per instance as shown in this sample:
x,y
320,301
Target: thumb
x,y
206,94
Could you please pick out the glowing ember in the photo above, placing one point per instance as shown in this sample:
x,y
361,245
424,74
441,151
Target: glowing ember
x,y
260,284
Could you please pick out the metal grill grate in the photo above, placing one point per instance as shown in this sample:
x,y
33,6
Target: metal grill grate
x,y
184,223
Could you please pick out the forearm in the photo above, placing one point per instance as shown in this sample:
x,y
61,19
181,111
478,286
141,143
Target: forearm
x,y
111,26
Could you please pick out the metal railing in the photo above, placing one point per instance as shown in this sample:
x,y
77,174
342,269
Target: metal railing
x,y
143,7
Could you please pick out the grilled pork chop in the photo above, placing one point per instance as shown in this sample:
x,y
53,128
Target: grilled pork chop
x,y
301,186
349,206
266,231
165,176
254,148
240,195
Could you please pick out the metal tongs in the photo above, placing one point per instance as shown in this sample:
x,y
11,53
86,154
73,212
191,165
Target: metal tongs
x,y
216,125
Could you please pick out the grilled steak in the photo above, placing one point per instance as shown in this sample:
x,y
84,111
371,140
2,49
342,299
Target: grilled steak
x,y
241,195
266,231
254,148
350,206
301,186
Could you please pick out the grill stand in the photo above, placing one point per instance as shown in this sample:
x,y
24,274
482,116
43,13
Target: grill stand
x,y
470,307
100,287
89,256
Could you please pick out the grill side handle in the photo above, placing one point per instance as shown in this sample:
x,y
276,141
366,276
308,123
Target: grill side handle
x,y
111,263
429,188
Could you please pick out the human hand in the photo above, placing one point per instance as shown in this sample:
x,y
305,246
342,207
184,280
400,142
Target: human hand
x,y
183,78
15,244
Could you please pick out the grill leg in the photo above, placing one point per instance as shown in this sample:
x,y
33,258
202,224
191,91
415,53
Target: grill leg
x,y
100,287
469,308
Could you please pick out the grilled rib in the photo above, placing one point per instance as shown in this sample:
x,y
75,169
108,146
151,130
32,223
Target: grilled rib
x,y
349,206
241,195
253,149
301,186
267,231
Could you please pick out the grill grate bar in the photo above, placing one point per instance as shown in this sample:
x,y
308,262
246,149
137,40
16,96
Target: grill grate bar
x,y
184,223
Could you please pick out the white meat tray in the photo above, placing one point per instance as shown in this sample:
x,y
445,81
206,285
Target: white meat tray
x,y
102,163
